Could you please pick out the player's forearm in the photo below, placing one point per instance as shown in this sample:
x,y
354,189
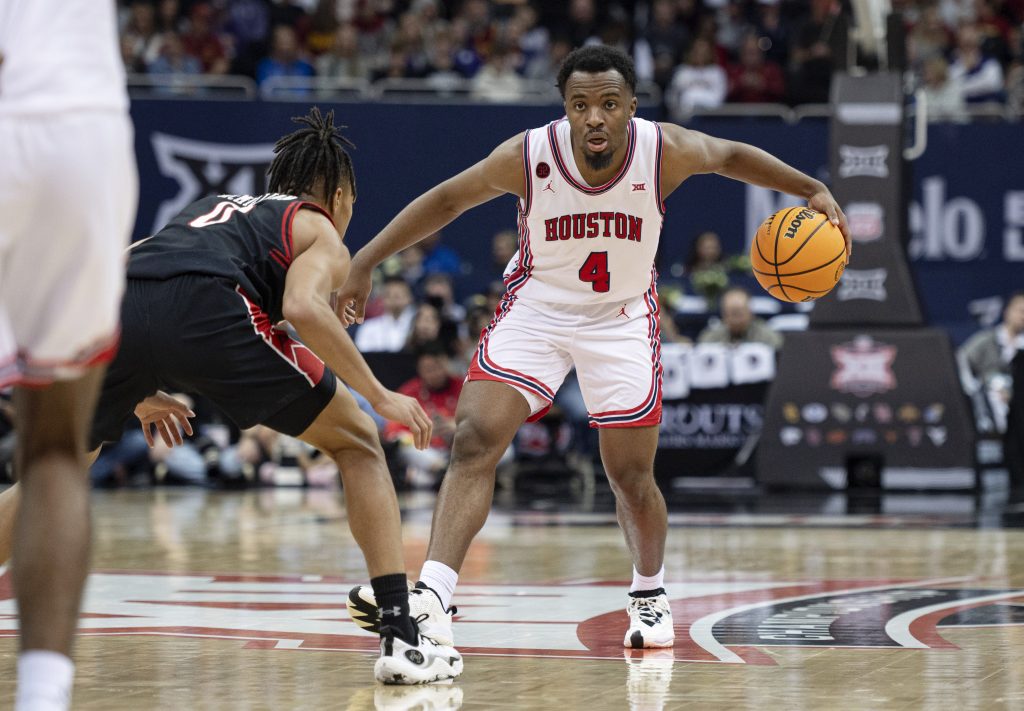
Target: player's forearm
x,y
755,166
419,219
321,332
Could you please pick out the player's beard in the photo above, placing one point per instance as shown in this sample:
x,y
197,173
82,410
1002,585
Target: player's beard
x,y
598,161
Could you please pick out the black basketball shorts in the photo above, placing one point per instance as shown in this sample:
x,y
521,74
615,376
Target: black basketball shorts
x,y
202,335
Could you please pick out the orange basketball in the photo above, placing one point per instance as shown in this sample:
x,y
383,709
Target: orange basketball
x,y
797,254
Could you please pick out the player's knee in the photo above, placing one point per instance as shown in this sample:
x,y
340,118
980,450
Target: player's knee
x,y
358,439
631,483
476,444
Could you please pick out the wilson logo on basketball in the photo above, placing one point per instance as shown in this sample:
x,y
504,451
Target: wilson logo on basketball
x,y
715,620
794,224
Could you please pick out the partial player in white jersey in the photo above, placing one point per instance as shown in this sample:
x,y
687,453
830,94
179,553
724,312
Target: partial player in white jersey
x,y
581,291
68,191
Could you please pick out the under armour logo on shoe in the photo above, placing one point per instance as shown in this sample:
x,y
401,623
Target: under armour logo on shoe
x,y
395,611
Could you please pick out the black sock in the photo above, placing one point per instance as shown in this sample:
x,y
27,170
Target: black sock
x,y
648,593
392,594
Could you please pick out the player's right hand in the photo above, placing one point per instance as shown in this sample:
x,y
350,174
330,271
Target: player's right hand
x,y
165,414
405,410
353,295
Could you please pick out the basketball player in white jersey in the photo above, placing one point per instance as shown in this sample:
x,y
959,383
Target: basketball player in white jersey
x,y
68,191
581,291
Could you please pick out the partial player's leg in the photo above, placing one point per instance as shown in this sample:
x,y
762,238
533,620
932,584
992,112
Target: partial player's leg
x,y
52,532
617,356
9,500
488,416
628,457
349,436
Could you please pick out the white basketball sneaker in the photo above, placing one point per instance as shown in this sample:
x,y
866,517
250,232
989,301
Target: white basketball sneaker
x,y
650,621
424,606
421,663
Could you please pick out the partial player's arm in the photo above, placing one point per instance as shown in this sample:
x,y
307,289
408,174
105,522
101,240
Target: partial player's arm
x,y
319,267
689,153
498,174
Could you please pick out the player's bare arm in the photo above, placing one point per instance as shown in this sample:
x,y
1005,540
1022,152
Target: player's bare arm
x,y
319,267
689,153
498,174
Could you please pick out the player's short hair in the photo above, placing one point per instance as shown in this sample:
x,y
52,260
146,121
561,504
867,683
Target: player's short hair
x,y
312,159
597,58
395,279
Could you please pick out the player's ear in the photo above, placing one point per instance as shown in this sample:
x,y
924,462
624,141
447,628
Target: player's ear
x,y
632,107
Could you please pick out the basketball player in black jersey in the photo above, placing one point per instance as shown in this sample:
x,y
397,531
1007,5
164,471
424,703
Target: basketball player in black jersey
x,y
199,315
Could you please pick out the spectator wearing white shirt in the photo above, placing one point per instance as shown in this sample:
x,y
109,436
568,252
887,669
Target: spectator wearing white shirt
x,y
389,331
699,84
980,76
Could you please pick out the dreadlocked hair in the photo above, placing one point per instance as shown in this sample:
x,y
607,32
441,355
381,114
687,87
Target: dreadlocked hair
x,y
313,159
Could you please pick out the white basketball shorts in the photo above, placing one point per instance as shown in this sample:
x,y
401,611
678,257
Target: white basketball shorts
x,y
68,194
615,347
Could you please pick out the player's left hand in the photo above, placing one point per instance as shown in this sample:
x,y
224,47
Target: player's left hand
x,y
405,410
346,313
824,202
165,414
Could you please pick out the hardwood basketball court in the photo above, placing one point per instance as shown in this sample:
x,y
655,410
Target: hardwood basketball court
x,y
213,600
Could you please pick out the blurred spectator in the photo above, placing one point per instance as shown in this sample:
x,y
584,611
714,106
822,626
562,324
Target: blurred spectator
x,y
390,330
439,291
140,41
174,59
531,39
700,83
396,65
203,43
284,60
343,61
426,328
323,27
410,34
754,79
731,26
583,25
773,31
929,38
985,357
944,96
738,324
661,40
168,16
441,73
437,391
497,79
708,268
475,22
504,246
439,258
980,76
814,57
248,24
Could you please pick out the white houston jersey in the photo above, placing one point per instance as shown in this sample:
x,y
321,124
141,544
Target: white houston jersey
x,y
582,244
60,55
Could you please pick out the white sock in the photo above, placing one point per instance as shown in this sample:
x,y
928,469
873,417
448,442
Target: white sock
x,y
441,579
44,681
648,582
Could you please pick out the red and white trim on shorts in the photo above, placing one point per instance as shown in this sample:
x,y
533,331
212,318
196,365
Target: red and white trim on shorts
x,y
648,413
305,362
24,370
483,366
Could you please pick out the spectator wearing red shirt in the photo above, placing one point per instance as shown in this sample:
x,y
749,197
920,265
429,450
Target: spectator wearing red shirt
x,y
437,391
755,79
202,42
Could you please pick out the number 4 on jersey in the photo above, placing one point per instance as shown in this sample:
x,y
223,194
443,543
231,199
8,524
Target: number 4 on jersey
x,y
595,271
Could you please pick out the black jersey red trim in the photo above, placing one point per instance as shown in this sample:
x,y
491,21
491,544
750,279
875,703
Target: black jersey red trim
x,y
563,169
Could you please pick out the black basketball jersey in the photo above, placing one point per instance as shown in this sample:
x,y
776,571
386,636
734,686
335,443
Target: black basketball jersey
x,y
244,238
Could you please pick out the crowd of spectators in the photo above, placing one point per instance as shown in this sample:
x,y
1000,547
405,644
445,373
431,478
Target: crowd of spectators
x,y
701,53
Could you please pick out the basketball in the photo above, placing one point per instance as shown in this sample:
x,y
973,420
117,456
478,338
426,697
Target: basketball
x,y
797,254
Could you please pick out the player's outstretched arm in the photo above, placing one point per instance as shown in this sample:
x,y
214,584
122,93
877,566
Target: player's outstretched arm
x,y
689,153
320,265
499,173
